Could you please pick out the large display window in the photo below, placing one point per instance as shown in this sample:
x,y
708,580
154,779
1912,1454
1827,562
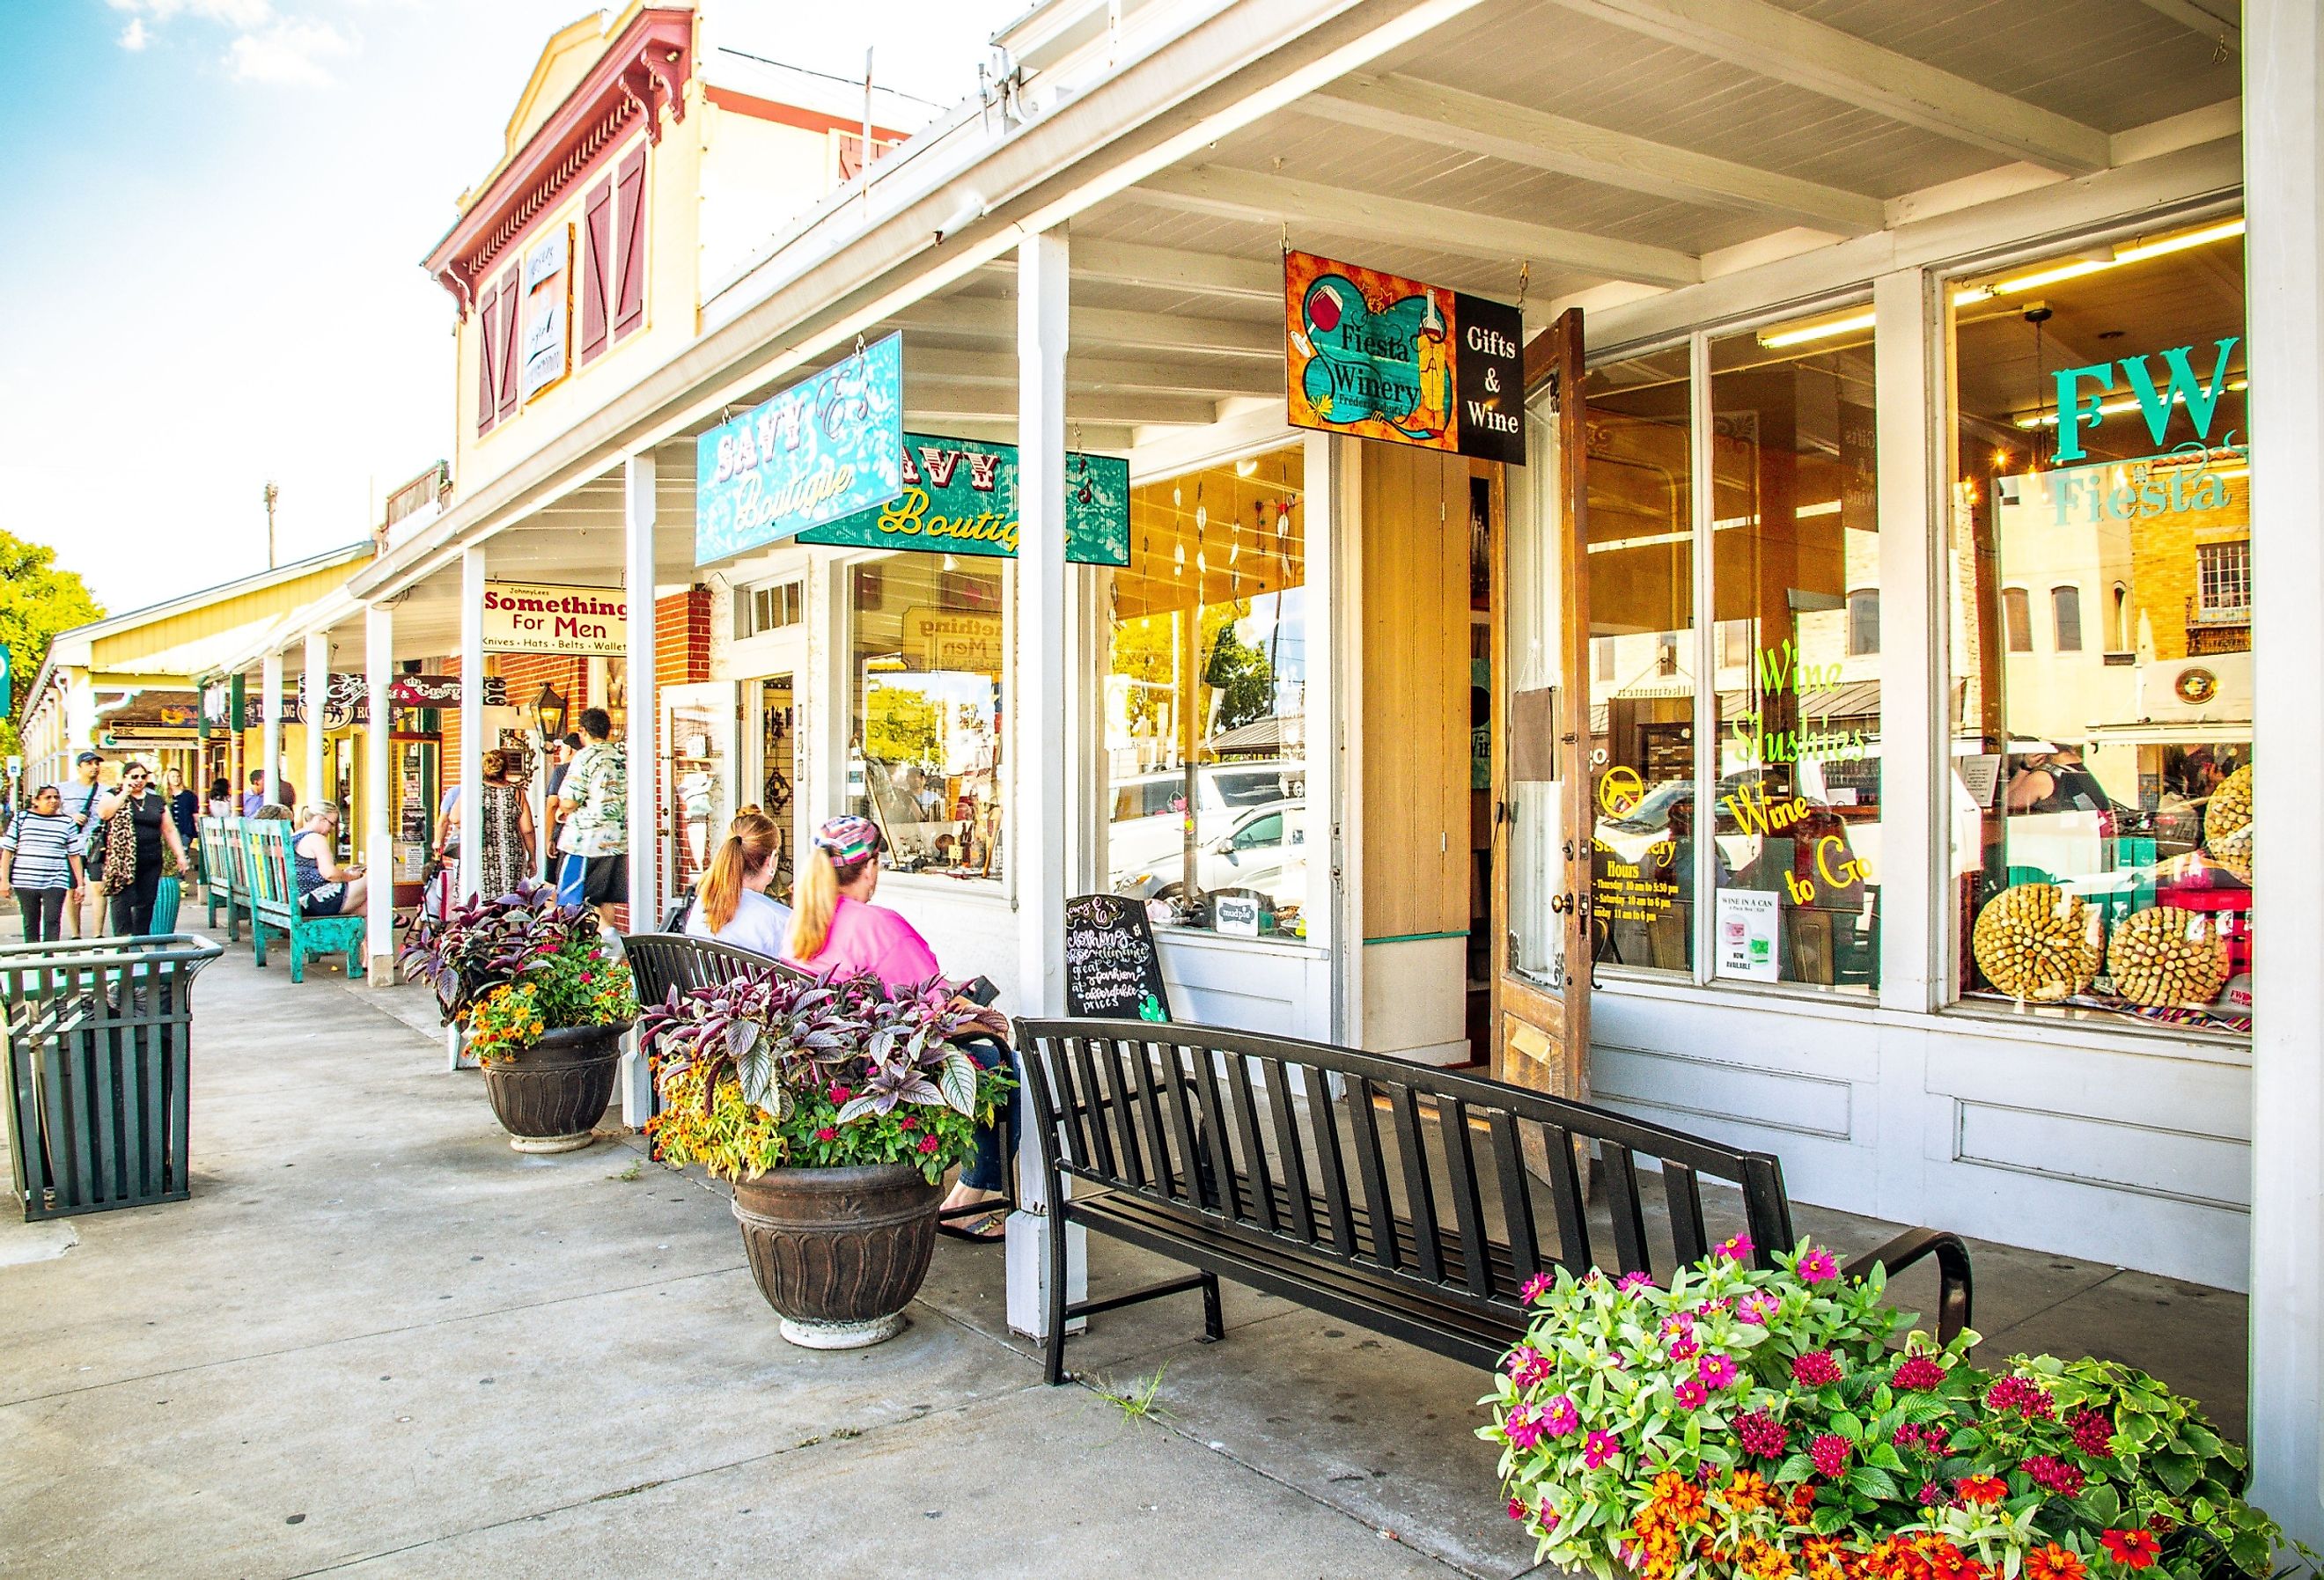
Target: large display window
x,y
1205,703
2100,569
930,644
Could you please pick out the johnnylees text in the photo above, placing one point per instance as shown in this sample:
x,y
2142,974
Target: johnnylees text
x,y
531,617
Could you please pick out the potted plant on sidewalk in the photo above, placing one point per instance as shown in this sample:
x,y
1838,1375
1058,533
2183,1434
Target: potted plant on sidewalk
x,y
542,1003
835,1109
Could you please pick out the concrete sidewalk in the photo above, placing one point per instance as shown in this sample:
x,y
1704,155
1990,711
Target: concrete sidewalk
x,y
377,1340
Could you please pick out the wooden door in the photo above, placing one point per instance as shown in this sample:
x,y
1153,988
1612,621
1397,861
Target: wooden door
x,y
1542,739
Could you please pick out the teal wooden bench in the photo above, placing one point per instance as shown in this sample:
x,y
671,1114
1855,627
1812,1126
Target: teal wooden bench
x,y
274,905
226,874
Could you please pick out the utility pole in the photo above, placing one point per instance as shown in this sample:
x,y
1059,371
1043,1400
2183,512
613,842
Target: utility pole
x,y
273,493
867,132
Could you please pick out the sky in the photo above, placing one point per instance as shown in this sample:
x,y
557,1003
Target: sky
x,y
210,245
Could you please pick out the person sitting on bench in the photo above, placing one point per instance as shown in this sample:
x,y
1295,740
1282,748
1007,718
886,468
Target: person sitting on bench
x,y
325,887
731,905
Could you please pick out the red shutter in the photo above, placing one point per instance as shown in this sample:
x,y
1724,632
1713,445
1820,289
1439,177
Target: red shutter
x,y
511,315
596,261
630,238
487,336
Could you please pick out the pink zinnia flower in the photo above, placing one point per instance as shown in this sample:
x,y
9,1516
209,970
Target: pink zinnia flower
x,y
1599,1447
1538,1285
826,1133
1919,1373
1636,1280
1518,1510
1527,1366
1677,1322
1522,1427
1736,1250
1816,1369
1563,1416
1758,1306
1829,1453
1717,1371
1691,1394
1683,1347
1817,1267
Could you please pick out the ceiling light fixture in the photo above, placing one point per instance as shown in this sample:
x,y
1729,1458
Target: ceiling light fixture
x,y
2136,253
1800,334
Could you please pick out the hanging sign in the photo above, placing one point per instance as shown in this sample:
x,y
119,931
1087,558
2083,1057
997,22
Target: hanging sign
x,y
960,497
1113,971
824,448
1383,357
530,617
547,310
441,691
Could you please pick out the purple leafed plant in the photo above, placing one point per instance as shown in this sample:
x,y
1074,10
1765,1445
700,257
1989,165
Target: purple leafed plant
x,y
486,943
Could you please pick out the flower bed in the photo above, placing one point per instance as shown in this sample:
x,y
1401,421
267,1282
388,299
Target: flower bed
x,y
1758,1423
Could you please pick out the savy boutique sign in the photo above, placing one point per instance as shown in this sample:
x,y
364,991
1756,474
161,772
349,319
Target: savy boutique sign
x,y
827,448
1383,357
532,618
960,497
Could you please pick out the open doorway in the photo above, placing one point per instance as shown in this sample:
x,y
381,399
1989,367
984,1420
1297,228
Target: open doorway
x,y
777,792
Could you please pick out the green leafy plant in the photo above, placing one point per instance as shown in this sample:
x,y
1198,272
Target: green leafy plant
x,y
1136,1402
1759,1423
773,1071
510,968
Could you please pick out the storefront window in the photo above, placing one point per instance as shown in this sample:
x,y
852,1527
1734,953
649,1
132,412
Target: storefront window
x,y
924,724
2102,789
1206,701
1641,591
1796,854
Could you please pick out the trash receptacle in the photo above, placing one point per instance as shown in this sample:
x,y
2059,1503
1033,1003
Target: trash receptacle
x,y
99,1033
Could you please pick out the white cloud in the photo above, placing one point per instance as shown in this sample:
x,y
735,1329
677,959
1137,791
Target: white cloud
x,y
287,51
236,13
134,37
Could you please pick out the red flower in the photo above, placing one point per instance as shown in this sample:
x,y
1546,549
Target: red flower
x,y
1981,1489
909,1122
2017,1393
1518,1510
2054,1563
841,1094
2053,1474
1919,1374
929,1143
1763,1436
1816,1369
826,1133
2134,1549
1830,1454
2094,1433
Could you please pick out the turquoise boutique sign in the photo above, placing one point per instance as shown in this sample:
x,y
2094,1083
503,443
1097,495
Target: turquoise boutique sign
x,y
825,448
960,497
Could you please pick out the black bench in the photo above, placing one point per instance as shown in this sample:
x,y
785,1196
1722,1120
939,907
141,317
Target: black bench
x,y
659,962
1266,1160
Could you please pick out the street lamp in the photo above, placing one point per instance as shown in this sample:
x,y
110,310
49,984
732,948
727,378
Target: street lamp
x,y
549,711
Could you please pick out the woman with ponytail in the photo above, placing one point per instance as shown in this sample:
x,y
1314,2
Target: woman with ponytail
x,y
835,930
731,904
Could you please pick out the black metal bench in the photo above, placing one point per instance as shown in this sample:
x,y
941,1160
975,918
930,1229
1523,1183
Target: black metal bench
x,y
659,962
1265,1160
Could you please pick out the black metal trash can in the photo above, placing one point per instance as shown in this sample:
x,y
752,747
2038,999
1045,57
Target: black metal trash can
x,y
99,1033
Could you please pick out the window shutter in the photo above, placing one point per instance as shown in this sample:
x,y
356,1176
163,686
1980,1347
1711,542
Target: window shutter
x,y
596,262
630,212
487,337
511,312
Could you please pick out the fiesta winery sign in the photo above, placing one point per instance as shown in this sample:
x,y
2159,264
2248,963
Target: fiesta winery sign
x,y
530,617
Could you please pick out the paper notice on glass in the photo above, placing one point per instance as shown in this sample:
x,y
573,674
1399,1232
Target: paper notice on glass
x,y
1980,774
1747,920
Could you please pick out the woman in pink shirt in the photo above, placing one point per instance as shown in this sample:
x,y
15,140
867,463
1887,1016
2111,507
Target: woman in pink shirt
x,y
837,930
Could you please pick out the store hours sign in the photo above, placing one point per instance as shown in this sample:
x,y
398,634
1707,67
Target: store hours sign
x,y
829,447
1383,357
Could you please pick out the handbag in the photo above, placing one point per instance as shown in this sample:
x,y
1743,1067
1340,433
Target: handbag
x,y
120,836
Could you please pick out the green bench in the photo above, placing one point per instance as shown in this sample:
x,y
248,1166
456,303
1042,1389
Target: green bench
x,y
274,904
226,875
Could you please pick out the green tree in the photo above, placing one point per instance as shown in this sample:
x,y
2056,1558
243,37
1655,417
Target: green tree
x,y
900,726
1239,671
1145,649
37,600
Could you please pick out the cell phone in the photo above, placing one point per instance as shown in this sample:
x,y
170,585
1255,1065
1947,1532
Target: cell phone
x,y
979,991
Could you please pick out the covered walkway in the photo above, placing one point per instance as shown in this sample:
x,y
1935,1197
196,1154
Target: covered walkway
x,y
378,1341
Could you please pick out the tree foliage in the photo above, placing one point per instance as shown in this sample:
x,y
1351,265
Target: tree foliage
x,y
901,726
37,600
1144,649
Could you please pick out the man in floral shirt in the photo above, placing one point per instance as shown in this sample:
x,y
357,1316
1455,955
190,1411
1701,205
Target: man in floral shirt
x,y
594,836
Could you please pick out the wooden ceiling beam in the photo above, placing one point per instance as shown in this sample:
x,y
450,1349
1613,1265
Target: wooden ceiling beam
x,y
995,319
1214,380
1112,262
939,398
1452,117
1774,43
1240,194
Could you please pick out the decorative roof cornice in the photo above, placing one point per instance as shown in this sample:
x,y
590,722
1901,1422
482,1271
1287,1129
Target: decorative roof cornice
x,y
642,72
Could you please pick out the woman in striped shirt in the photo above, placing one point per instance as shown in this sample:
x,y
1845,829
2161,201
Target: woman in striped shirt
x,y
39,860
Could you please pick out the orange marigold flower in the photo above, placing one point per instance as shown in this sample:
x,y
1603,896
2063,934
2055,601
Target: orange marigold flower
x,y
1981,1489
2054,1563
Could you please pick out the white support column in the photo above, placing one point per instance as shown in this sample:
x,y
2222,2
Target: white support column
x,y
1037,812
1915,805
314,689
269,732
2283,162
378,827
638,525
471,877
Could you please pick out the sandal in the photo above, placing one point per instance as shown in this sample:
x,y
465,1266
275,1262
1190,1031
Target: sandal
x,y
988,1229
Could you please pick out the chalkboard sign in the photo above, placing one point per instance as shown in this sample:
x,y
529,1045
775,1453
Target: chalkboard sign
x,y
1112,970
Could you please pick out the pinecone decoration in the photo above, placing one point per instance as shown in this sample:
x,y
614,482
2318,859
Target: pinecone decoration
x,y
2037,942
2228,824
2165,957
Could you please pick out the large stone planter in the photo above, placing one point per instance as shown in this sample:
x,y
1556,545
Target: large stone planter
x,y
550,1096
839,1253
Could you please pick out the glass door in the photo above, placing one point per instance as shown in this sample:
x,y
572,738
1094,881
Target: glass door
x,y
693,800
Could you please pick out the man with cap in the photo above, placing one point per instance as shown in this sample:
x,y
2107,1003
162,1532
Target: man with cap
x,y
85,906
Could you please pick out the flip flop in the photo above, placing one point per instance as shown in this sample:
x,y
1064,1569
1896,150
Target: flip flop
x,y
990,1229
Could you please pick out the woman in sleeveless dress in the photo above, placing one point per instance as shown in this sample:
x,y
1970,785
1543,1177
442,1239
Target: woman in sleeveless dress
x,y
504,823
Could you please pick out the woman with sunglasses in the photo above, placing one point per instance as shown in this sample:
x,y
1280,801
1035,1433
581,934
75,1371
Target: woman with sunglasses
x,y
40,859
325,887
147,812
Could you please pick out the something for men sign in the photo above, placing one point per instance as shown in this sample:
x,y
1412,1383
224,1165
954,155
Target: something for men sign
x,y
535,617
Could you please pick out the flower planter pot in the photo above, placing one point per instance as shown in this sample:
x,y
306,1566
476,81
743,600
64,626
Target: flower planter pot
x,y
549,1096
839,1253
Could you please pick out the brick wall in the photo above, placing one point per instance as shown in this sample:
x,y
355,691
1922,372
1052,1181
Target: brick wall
x,y
682,637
